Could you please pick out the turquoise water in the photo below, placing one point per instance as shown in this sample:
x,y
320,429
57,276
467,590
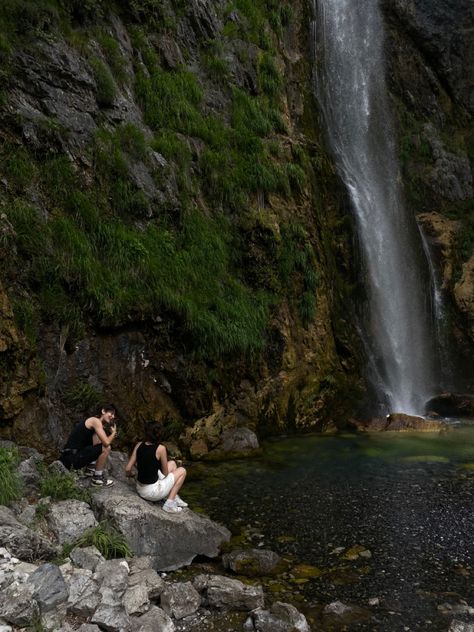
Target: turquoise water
x,y
406,498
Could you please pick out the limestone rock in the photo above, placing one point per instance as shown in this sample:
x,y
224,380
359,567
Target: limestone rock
x,y
65,529
180,600
113,618
84,596
461,626
17,605
28,472
135,599
337,608
239,440
21,541
50,589
464,294
172,540
441,234
252,562
282,617
87,557
148,578
397,422
155,619
231,594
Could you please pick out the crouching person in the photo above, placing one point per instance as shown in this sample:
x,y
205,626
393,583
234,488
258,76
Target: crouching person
x,y
89,445
157,478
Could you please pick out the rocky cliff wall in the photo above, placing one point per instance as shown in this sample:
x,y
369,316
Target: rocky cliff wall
x,y
430,48
174,237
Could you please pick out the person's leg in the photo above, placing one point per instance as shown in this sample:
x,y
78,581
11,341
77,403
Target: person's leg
x,y
171,505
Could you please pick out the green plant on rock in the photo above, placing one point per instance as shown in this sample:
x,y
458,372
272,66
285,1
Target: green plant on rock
x,y
61,487
110,542
84,396
113,55
10,485
105,84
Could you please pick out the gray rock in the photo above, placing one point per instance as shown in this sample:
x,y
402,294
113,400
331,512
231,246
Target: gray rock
x,y
172,540
56,467
231,594
4,627
135,599
65,529
180,600
461,626
239,440
252,562
155,619
150,579
282,617
21,541
28,473
337,608
84,596
112,576
88,627
87,557
50,589
113,618
17,605
54,619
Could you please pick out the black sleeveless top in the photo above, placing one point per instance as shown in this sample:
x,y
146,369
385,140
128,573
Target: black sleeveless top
x,y
80,437
147,464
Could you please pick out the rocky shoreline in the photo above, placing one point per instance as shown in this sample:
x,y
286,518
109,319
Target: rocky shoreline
x,y
52,578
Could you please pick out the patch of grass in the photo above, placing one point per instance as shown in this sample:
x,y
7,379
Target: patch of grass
x,y
172,147
132,140
105,84
270,80
26,318
62,487
110,542
84,396
111,49
10,485
17,166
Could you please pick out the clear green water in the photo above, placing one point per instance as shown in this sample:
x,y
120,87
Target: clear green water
x,y
407,498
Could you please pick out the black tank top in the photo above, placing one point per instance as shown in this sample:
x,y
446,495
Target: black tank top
x,y
147,464
80,437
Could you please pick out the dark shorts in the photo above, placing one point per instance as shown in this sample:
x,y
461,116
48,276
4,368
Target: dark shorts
x,y
81,458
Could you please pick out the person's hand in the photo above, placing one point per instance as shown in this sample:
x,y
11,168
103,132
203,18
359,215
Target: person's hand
x,y
129,473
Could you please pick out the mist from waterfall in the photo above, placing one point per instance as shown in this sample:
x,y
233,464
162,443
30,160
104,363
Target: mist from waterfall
x,y
349,81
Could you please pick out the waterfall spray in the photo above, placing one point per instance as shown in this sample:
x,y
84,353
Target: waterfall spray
x,y
350,86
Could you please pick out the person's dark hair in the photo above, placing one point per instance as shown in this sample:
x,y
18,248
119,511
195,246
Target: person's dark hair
x,y
153,431
109,408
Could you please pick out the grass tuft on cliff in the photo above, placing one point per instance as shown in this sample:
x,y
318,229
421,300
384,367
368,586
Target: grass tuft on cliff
x,y
10,484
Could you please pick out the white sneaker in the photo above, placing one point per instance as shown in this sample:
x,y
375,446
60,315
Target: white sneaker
x,y
180,502
170,506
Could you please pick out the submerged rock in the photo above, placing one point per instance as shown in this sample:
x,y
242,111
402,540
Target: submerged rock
x,y
252,562
398,422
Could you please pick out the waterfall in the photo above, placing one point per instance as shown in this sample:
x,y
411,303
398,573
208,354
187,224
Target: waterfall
x,y
350,86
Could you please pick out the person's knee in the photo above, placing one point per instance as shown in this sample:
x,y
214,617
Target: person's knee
x,y
181,472
106,449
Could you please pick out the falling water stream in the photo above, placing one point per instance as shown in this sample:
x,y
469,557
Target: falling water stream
x,y
350,86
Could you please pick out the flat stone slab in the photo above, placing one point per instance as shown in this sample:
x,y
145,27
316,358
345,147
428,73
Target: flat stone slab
x,y
171,540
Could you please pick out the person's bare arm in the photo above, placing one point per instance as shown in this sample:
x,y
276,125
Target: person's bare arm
x,y
162,455
132,460
94,422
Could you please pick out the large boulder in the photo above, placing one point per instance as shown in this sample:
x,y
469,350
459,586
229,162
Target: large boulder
x,y
451,405
171,540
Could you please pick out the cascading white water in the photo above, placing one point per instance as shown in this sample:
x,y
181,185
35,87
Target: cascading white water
x,y
350,86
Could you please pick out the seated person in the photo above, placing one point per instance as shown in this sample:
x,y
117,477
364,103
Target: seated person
x,y
89,444
157,478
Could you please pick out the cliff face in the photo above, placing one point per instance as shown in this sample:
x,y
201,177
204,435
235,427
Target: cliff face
x,y
174,235
175,239
430,48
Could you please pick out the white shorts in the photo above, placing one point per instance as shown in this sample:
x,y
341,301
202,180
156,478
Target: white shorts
x,y
158,490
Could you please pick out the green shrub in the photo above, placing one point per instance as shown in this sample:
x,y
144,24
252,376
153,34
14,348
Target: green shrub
x,y
106,539
10,485
62,487
18,167
269,79
132,140
106,90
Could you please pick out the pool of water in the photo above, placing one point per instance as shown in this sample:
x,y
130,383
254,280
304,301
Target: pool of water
x,y
383,523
